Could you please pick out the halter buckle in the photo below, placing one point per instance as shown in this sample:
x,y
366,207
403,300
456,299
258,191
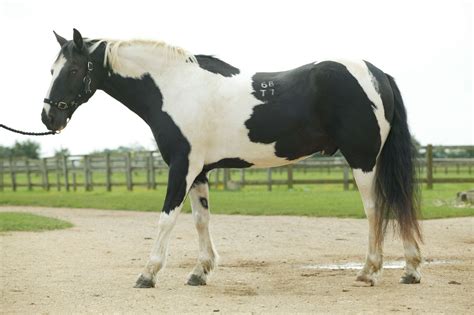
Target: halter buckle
x,y
62,105
87,84
90,66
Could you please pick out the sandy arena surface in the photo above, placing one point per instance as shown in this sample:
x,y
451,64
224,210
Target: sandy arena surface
x,y
92,267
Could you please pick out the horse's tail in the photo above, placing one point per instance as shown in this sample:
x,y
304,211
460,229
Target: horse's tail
x,y
396,190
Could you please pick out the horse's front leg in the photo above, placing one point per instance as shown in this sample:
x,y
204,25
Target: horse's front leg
x,y
180,178
207,259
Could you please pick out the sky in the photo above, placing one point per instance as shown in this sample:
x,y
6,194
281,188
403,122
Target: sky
x,y
426,45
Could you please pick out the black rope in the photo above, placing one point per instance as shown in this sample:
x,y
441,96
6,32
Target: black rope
x,y
28,133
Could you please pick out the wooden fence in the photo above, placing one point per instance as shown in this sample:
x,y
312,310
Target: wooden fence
x,y
147,169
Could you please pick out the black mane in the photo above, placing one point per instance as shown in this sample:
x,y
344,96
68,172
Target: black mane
x,y
216,65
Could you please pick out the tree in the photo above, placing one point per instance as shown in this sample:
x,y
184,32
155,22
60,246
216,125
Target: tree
x,y
29,149
5,152
62,152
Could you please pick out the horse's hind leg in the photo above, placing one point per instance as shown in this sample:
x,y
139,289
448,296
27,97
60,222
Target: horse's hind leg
x,y
413,261
373,263
207,259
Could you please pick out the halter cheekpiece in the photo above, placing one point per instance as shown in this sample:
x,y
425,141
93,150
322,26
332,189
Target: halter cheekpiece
x,y
80,97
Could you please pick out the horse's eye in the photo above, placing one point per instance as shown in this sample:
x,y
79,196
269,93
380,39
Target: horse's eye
x,y
51,71
73,71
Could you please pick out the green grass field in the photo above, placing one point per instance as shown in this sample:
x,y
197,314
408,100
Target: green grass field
x,y
17,221
306,200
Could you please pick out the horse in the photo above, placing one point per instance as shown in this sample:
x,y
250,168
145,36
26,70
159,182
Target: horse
x,y
205,113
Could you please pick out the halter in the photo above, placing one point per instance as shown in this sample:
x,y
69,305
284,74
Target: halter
x,y
80,97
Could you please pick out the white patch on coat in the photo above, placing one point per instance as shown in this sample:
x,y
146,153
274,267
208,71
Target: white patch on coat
x,y
374,259
365,184
159,251
209,109
56,69
207,259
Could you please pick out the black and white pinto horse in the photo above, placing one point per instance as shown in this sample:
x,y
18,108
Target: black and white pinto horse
x,y
207,114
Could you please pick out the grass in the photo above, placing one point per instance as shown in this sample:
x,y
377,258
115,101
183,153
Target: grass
x,y
17,221
305,200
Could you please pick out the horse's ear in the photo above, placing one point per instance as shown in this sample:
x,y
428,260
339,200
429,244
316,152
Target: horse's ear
x,y
61,40
78,42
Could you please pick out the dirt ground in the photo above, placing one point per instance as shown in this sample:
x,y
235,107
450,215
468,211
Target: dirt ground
x,y
92,267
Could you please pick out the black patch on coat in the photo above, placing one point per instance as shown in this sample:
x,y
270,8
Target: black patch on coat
x,y
143,97
216,65
203,202
315,108
227,163
287,115
201,179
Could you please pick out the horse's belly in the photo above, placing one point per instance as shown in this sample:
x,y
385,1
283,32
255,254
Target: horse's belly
x,y
234,143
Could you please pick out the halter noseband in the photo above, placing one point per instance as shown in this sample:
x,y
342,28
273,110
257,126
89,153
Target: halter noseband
x,y
80,97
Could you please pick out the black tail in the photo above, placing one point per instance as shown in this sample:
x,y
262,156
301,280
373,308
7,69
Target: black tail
x,y
396,188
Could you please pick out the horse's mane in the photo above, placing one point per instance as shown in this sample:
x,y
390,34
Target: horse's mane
x,y
112,58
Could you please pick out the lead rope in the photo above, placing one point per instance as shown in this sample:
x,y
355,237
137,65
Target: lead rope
x,y
29,133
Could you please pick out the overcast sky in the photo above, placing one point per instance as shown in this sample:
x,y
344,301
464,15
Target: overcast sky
x,y
425,45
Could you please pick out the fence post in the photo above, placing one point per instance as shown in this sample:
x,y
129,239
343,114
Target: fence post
x,y
269,178
58,175
12,174
28,175
148,172
1,175
290,176
346,177
45,174
74,182
151,165
226,177
86,172
217,178
108,172
242,177
73,169
65,173
429,166
128,170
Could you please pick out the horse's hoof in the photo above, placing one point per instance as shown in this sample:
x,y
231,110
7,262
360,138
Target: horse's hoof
x,y
195,280
143,282
366,278
410,279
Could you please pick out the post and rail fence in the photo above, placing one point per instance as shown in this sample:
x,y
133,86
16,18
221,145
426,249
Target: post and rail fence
x,y
147,169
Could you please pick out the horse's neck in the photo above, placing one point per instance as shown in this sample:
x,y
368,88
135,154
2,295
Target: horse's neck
x,y
138,75
133,61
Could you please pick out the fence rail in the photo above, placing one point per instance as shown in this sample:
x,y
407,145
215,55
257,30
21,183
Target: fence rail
x,y
147,169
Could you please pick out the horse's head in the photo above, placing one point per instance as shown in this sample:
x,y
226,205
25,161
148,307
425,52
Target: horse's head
x,y
74,82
